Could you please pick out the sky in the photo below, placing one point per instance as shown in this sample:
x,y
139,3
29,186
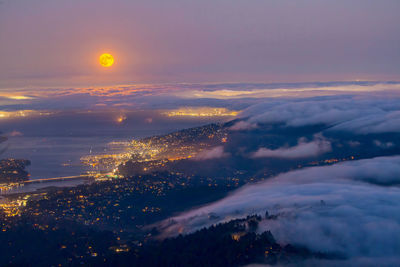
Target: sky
x,y
57,43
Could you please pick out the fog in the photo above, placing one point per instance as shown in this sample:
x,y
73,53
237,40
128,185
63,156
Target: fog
x,y
352,209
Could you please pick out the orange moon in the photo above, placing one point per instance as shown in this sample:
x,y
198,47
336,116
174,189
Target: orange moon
x,y
106,60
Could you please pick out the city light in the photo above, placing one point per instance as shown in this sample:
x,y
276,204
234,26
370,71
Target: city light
x,y
22,114
201,112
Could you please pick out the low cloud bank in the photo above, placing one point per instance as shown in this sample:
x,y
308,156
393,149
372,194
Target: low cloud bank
x,y
383,145
243,125
302,150
351,208
358,114
235,96
213,153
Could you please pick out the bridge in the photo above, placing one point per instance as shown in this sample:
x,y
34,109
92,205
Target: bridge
x,y
56,179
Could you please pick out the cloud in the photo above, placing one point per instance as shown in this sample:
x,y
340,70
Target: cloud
x,y
243,125
302,150
15,133
353,143
379,122
232,91
213,153
236,96
358,114
350,208
383,145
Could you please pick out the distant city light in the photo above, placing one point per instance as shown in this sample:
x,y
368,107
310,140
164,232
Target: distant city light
x,y
19,97
121,119
22,113
201,112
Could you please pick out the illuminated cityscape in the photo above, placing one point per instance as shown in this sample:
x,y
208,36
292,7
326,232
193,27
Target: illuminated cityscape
x,y
170,133
22,114
155,152
201,112
149,166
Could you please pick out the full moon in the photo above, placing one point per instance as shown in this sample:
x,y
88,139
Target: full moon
x,y
106,60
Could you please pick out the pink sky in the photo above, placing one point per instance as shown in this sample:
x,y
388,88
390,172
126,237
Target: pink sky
x,y
57,43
